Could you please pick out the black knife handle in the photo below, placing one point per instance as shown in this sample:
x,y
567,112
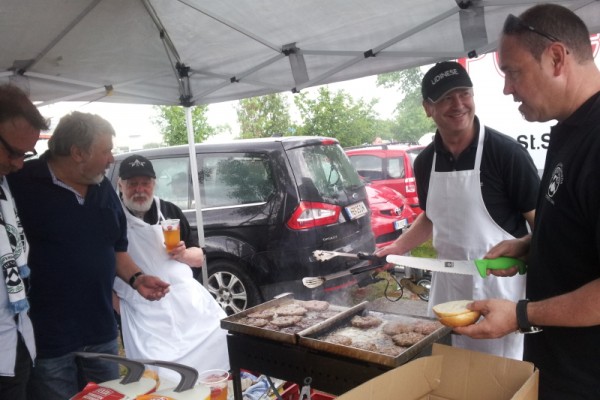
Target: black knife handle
x,y
371,257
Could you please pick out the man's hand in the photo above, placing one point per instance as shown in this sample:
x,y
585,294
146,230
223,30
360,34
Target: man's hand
x,y
499,319
192,256
516,248
151,287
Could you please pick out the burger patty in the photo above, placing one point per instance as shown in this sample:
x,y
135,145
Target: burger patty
x,y
264,314
407,339
290,309
394,328
367,322
286,320
315,305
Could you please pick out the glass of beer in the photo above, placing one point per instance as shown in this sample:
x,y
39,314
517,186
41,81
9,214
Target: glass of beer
x,y
216,381
171,232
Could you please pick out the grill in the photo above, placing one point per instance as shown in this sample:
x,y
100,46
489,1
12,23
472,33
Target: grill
x,y
293,355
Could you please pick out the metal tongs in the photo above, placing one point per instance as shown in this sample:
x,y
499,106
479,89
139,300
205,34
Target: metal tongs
x,y
324,255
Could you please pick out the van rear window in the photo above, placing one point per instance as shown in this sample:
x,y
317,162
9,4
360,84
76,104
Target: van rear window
x,y
326,172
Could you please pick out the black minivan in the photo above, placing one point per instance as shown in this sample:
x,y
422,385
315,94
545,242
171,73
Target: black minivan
x,y
267,204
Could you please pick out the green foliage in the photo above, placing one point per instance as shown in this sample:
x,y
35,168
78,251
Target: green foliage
x,y
337,115
425,250
171,121
263,116
411,120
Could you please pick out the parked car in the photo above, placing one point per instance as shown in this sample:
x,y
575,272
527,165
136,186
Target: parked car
x,y
390,215
413,152
387,165
267,204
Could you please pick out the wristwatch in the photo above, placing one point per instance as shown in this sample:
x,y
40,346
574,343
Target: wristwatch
x,y
522,319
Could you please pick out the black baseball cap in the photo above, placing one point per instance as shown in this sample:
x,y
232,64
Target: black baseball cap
x,y
136,165
442,78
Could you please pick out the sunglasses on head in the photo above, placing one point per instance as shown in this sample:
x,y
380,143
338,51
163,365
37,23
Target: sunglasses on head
x,y
516,24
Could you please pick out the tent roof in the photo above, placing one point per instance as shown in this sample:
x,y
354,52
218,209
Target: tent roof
x,y
140,51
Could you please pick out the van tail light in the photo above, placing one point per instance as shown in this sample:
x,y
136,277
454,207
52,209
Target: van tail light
x,y
410,185
311,214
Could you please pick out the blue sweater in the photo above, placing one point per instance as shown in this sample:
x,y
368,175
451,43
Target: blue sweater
x,y
72,258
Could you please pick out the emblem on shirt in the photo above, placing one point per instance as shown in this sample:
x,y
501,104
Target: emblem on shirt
x,y
555,181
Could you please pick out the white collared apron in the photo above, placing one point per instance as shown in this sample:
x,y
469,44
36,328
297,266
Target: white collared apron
x,y
183,327
464,230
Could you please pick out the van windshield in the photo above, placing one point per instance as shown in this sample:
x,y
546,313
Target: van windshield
x,y
325,172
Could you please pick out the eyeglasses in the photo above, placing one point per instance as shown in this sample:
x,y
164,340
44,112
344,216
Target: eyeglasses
x,y
514,24
14,154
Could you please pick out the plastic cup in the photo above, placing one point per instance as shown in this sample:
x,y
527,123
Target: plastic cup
x,y
216,381
171,233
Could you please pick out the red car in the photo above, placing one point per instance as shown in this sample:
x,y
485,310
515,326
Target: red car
x,y
387,166
389,214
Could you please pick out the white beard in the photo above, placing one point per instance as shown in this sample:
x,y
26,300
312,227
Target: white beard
x,y
137,206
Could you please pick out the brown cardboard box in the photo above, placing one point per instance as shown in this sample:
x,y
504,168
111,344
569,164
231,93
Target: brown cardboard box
x,y
452,373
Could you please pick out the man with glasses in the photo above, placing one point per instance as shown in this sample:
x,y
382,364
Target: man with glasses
x,y
20,126
477,187
549,68
76,227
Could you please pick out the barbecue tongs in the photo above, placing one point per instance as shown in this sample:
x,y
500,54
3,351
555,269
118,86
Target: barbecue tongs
x,y
324,255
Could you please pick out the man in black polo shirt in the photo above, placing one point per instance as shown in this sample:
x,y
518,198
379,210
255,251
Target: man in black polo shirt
x,y
477,187
549,67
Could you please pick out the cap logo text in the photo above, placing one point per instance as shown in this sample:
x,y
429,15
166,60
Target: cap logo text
x,y
443,75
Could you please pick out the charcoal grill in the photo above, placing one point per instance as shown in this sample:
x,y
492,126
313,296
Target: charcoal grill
x,y
333,368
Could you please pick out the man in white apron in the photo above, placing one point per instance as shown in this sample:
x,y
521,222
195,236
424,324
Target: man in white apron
x,y
185,327
477,188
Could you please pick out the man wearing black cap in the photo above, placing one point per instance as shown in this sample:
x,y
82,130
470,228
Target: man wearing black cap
x,y
184,327
477,188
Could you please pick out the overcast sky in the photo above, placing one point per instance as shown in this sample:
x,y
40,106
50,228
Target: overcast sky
x,y
134,127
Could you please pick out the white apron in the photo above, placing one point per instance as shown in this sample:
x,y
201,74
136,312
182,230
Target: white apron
x,y
184,326
464,230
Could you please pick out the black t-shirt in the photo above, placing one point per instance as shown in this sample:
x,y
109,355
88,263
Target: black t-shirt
x,y
509,178
565,254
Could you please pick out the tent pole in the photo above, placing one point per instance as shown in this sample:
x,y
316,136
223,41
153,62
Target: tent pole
x,y
196,188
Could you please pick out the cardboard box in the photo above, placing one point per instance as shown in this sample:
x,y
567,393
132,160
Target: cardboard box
x,y
452,373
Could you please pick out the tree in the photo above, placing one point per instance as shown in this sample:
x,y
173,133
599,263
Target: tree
x,y
337,115
263,116
171,121
411,120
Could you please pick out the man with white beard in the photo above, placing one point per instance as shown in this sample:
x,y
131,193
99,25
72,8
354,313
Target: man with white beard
x,y
185,326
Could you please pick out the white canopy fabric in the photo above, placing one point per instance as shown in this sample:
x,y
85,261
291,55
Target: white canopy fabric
x,y
186,52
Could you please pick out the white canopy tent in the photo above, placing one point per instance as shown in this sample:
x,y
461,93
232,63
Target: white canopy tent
x,y
207,51
184,52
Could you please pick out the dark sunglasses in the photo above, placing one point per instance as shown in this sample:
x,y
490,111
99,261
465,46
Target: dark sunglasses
x,y
14,154
516,24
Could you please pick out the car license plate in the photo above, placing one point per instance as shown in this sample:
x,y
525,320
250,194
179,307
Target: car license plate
x,y
400,224
356,210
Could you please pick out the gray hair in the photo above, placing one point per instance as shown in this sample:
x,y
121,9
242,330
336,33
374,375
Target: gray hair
x,y
80,130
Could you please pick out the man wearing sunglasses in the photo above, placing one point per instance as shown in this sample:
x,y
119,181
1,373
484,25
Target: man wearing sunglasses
x,y
547,59
77,229
20,126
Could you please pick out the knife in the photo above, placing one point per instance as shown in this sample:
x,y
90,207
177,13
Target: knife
x,y
465,267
